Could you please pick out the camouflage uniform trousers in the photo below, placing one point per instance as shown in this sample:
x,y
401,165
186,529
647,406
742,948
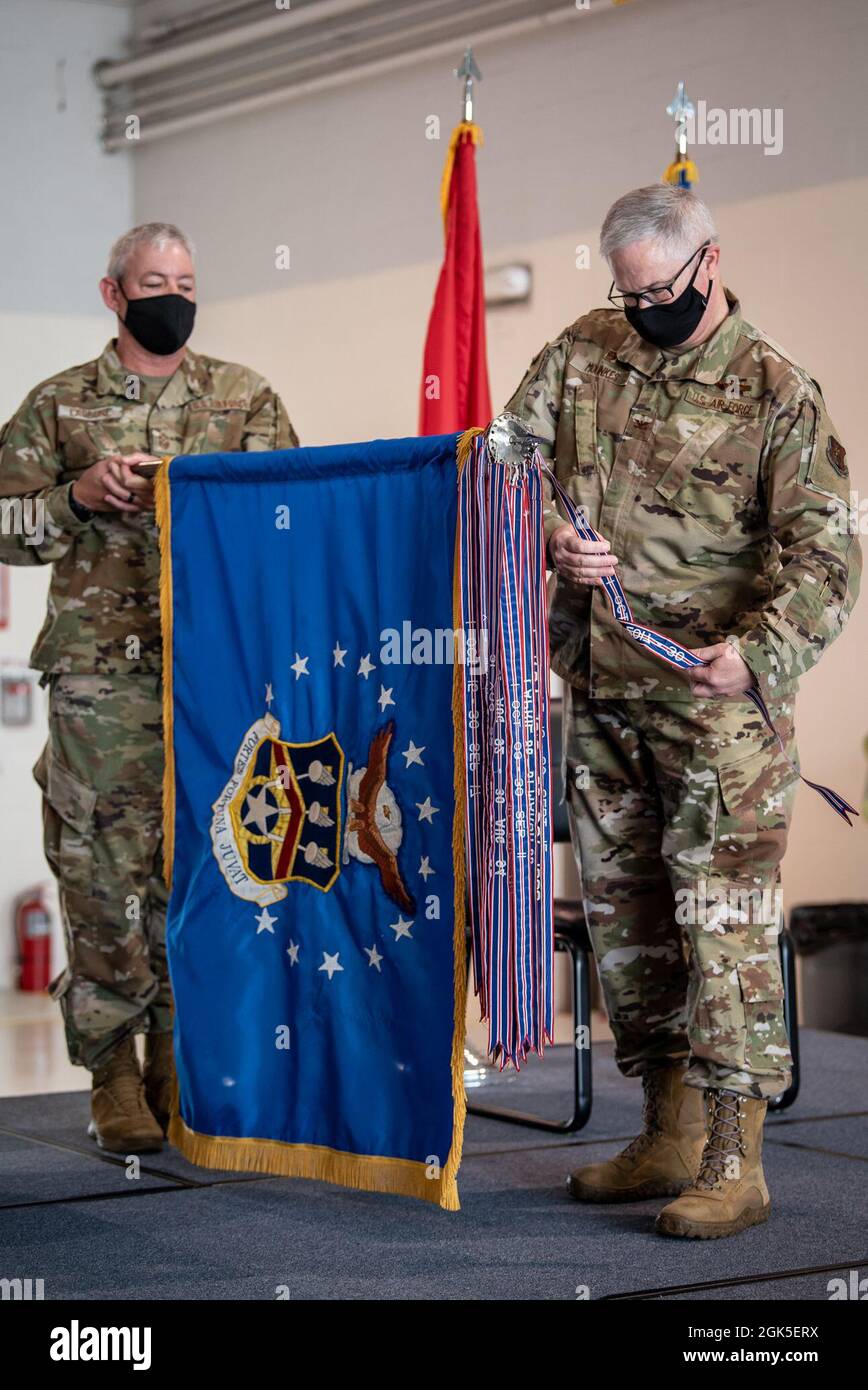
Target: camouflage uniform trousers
x,y
101,777
679,812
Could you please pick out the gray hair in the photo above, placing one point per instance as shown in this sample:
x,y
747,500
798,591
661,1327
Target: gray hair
x,y
671,216
159,234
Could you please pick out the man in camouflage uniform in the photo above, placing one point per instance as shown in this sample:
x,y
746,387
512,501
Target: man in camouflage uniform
x,y
68,453
706,459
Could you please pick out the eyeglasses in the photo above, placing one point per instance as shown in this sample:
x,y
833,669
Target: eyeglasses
x,y
656,294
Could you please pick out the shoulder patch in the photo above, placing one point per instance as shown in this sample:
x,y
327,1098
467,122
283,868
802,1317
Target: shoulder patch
x,y
837,456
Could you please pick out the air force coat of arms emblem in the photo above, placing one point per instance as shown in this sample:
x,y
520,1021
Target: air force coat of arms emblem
x,y
280,818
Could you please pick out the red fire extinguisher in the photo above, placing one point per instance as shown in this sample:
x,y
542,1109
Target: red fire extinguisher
x,y
33,934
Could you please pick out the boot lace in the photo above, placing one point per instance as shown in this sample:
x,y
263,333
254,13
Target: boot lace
x,y
725,1138
650,1119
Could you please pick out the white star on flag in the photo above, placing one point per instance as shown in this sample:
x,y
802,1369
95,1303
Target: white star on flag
x,y
366,666
339,653
266,921
269,695
374,957
385,697
259,808
425,868
330,963
401,928
299,666
292,952
426,810
413,755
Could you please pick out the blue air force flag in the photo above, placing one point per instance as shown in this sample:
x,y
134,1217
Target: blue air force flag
x,y
316,927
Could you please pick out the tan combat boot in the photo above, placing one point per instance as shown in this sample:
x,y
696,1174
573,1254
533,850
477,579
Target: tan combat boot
x,y
664,1159
120,1119
730,1191
159,1076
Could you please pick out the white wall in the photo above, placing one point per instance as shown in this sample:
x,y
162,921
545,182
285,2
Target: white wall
x,y
64,202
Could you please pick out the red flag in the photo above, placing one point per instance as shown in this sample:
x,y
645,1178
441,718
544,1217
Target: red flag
x,y
455,393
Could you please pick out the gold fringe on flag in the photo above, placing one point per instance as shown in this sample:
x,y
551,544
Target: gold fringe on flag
x,y
367,1172
162,497
464,129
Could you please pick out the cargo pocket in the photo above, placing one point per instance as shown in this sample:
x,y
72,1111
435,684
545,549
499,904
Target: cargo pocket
x,y
756,794
739,784
581,399
585,419
798,619
68,809
766,1046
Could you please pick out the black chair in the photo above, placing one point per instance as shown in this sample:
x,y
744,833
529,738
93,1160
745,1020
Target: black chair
x,y
571,935
791,1018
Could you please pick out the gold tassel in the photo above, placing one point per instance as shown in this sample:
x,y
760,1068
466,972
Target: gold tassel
x,y
672,174
465,440
473,132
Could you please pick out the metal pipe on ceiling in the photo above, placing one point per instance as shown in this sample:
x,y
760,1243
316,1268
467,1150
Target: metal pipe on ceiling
x,y
329,81
400,23
112,74
162,91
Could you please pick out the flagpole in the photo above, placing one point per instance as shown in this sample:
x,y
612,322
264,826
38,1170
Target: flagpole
x,y
470,73
455,392
682,170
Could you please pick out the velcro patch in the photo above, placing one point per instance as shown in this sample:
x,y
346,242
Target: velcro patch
x,y
81,412
214,406
837,456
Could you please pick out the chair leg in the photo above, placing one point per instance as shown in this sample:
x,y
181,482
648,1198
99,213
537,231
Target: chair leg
x,y
582,1092
791,1018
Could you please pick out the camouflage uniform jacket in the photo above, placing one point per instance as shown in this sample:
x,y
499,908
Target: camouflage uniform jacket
x,y
719,481
105,583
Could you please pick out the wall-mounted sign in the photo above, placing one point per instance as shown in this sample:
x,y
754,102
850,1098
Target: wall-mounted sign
x,y
507,284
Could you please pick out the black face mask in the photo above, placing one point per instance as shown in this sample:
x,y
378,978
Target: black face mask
x,y
666,325
160,323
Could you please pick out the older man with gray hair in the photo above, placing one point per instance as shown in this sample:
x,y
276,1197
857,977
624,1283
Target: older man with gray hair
x,y
705,457
70,450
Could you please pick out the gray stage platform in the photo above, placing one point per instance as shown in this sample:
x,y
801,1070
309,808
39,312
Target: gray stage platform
x,y
71,1216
